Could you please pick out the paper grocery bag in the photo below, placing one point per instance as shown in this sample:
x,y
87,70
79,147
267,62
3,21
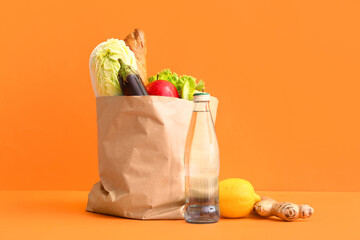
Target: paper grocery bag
x,y
141,143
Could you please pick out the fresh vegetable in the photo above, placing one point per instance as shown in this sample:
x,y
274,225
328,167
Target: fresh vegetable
x,y
162,88
285,210
104,66
185,85
236,198
130,81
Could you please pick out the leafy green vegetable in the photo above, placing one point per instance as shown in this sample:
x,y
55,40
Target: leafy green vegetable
x,y
186,85
200,86
104,66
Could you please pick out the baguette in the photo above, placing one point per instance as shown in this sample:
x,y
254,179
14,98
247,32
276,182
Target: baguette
x,y
136,42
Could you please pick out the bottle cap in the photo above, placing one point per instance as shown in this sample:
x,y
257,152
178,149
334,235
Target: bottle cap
x,y
201,97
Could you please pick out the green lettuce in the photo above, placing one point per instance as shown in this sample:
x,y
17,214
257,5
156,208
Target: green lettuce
x,y
186,85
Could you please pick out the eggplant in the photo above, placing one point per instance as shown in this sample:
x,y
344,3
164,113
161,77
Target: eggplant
x,y
130,81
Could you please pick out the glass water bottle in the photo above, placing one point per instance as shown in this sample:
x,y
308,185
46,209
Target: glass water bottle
x,y
202,165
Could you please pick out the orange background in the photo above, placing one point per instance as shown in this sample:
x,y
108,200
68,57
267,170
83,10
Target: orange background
x,y
286,74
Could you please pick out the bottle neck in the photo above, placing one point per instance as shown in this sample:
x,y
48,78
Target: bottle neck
x,y
202,106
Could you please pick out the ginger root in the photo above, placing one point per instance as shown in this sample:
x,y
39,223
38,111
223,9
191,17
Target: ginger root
x,y
285,210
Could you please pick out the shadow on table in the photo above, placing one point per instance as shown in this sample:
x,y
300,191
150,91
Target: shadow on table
x,y
74,204
254,217
101,215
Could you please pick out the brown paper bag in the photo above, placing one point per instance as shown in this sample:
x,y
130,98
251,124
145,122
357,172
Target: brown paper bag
x,y
141,141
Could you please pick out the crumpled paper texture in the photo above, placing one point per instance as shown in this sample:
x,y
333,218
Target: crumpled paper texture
x,y
141,143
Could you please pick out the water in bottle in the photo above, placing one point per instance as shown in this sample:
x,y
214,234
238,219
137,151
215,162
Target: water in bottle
x,y
202,165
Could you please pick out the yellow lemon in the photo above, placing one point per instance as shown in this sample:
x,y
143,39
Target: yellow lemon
x,y
236,197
